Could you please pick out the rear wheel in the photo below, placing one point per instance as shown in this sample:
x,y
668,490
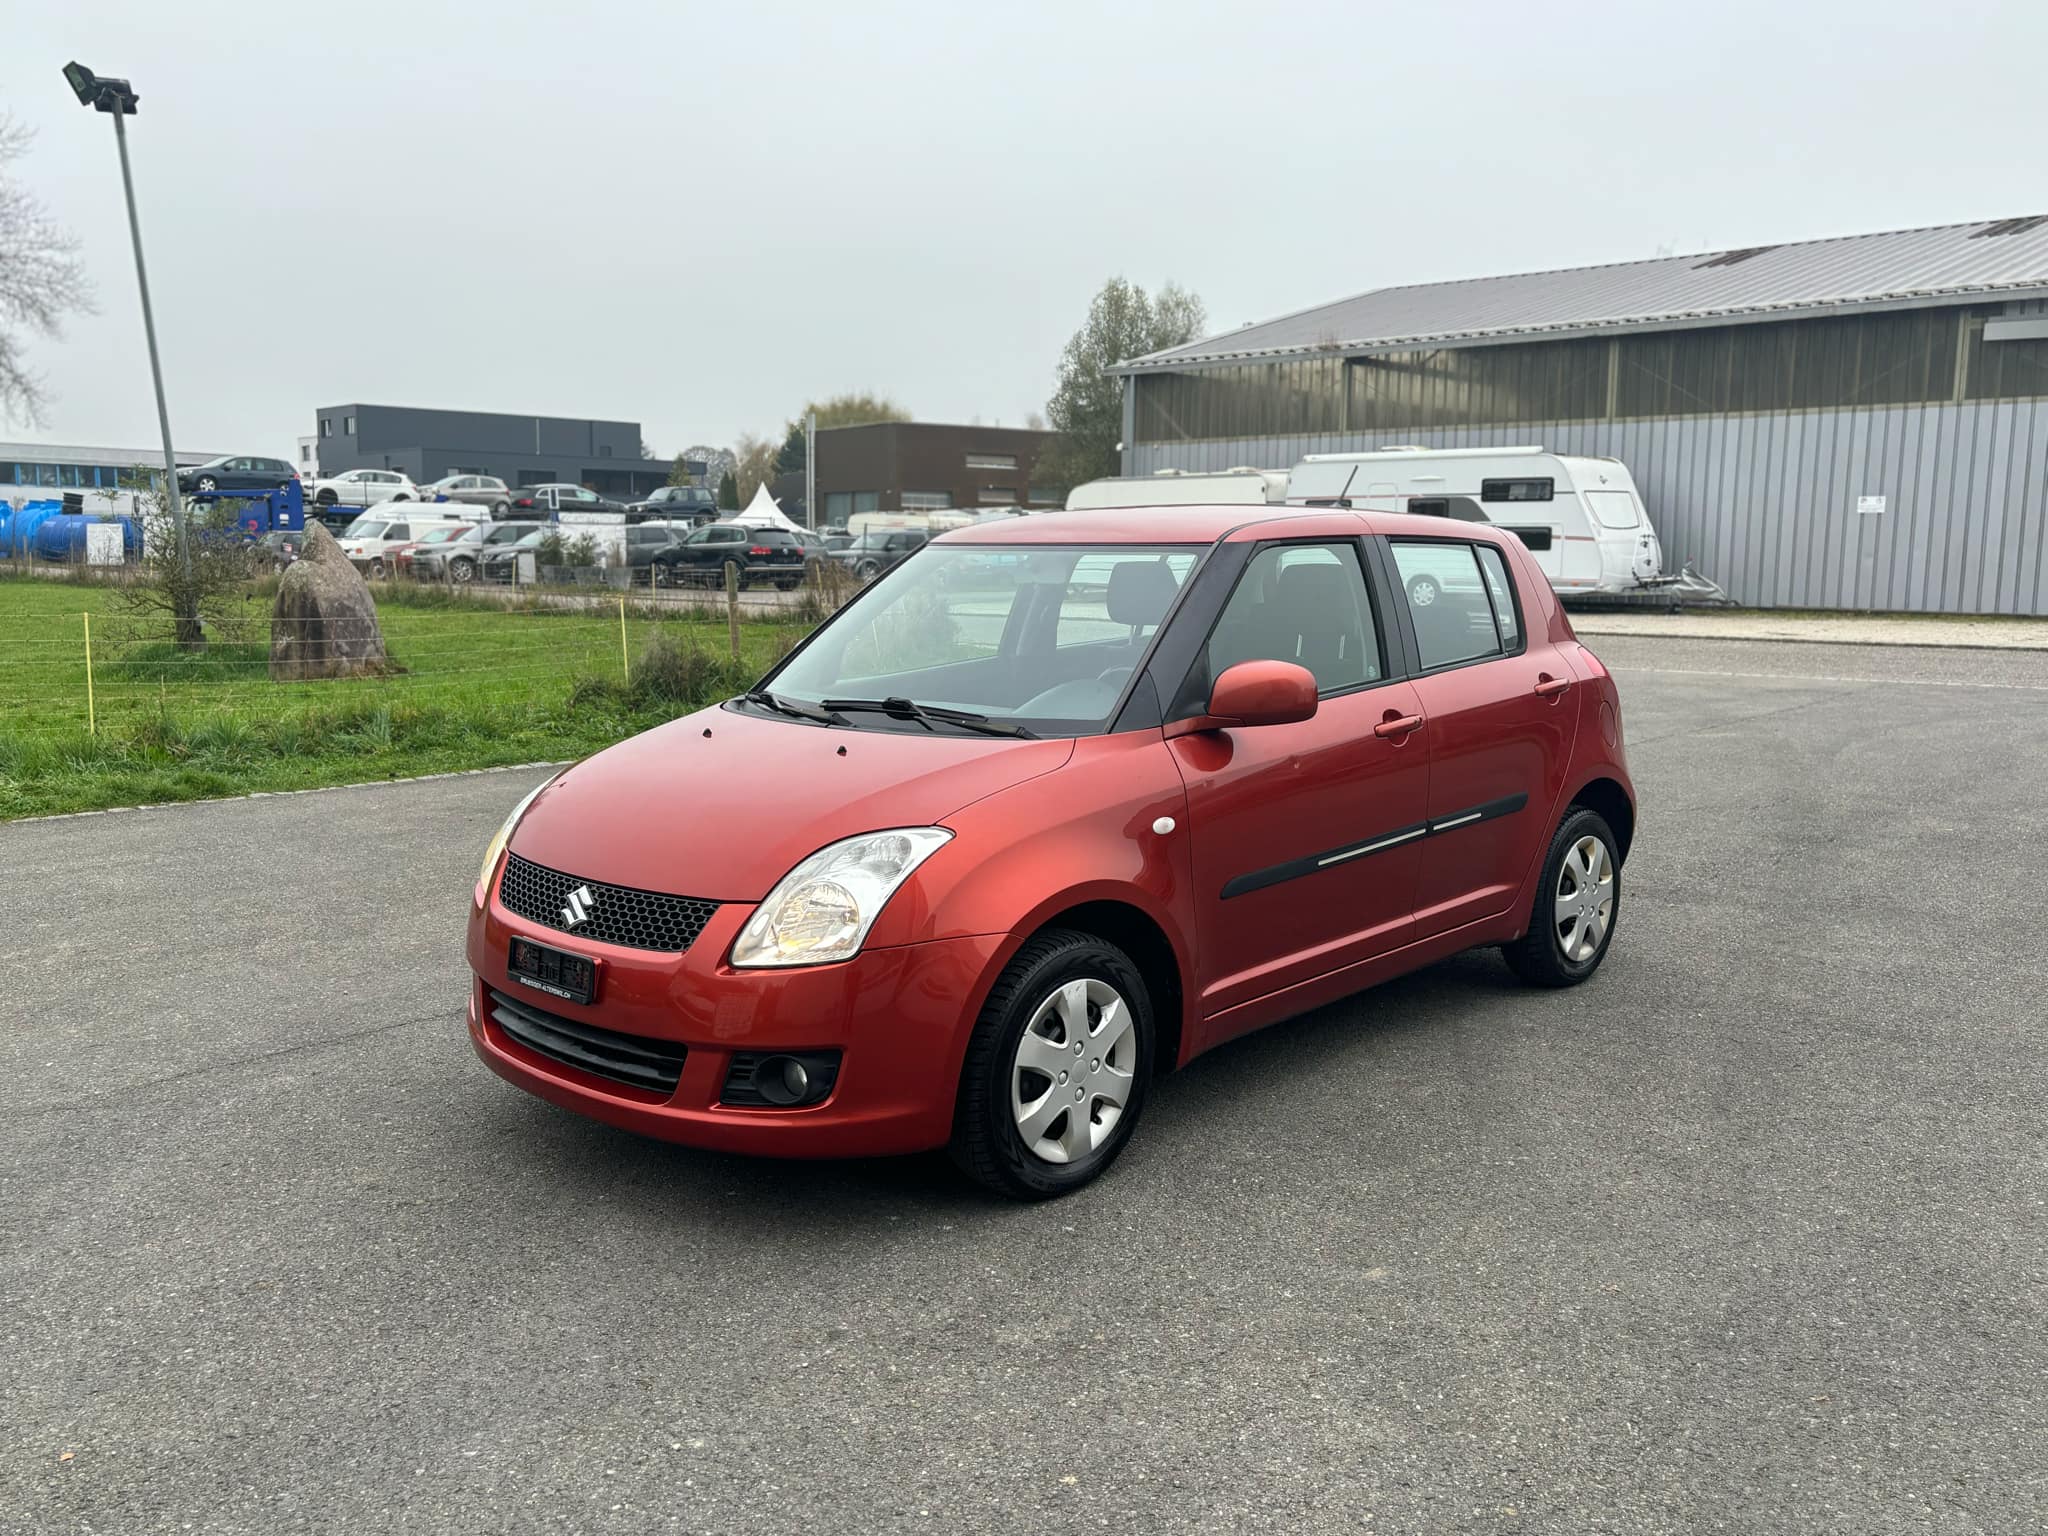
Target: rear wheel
x,y
377,569
500,508
867,570
462,569
1422,591
1577,902
1057,1069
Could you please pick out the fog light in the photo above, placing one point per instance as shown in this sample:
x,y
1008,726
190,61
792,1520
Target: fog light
x,y
784,1080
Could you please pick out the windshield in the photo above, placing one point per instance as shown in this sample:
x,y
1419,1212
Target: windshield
x,y
1044,636
364,528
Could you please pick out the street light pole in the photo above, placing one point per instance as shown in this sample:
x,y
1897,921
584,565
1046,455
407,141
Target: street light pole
x,y
156,370
811,470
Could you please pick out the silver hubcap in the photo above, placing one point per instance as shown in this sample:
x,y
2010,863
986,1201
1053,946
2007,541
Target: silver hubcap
x,y
1424,593
1585,899
1072,1076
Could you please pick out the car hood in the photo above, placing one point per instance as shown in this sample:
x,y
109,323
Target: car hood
x,y
721,805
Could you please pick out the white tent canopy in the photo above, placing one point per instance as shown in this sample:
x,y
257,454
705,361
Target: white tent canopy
x,y
762,512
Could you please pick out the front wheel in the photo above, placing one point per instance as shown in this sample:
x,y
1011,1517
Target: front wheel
x,y
324,499
462,570
206,483
377,570
1057,1069
1422,591
867,570
1577,902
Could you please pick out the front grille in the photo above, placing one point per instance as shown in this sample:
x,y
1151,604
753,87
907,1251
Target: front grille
x,y
617,914
656,1065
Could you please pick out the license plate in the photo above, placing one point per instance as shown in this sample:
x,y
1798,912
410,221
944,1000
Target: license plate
x,y
554,971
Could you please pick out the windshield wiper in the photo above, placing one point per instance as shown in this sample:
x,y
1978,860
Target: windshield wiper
x,y
925,714
782,706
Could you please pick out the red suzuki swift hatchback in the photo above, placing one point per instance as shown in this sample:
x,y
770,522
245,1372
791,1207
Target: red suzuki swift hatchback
x,y
1061,803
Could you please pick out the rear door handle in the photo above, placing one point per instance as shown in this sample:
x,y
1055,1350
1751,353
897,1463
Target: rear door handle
x,y
1548,687
1400,725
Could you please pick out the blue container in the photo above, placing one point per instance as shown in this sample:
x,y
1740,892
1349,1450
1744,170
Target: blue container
x,y
63,537
21,528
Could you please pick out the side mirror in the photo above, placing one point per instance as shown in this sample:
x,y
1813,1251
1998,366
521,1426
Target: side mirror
x,y
1255,693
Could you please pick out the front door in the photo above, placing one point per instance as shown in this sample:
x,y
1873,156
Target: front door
x,y
1500,728
1304,836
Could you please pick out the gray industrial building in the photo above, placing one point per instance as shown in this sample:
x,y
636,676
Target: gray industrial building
x,y
1855,423
520,450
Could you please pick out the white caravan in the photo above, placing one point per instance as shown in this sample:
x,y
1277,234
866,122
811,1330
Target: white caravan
x,y
1181,488
1582,519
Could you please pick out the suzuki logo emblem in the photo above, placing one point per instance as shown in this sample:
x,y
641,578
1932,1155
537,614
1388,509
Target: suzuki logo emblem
x,y
578,908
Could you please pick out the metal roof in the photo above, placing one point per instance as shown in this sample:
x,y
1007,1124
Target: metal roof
x,y
1949,263
118,458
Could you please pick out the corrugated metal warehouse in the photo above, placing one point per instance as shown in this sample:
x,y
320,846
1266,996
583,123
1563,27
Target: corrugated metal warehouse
x,y
1761,397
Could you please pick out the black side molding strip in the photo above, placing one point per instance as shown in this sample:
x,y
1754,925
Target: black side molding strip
x,y
1295,869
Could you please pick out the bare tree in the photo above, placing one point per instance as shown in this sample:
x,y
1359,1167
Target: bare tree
x,y
754,463
41,279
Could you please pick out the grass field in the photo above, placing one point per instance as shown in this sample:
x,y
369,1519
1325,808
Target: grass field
x,y
479,685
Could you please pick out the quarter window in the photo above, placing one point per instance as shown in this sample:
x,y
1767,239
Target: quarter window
x,y
1304,603
1448,602
1506,616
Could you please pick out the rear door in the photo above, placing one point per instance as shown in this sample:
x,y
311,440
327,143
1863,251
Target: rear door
x,y
1502,714
1303,836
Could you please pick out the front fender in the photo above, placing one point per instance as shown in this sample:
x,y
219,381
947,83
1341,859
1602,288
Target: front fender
x,y
1082,833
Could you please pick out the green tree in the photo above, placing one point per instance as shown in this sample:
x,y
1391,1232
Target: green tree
x,y
1087,405
855,409
728,493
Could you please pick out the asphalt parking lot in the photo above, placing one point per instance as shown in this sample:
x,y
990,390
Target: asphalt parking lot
x,y
1750,1234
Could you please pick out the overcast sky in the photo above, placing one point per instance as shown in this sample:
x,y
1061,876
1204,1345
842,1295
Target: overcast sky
x,y
696,216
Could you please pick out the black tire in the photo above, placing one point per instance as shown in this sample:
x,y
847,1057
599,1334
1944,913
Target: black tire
x,y
867,570
324,499
1539,956
987,1145
377,569
1423,590
787,583
462,570
500,508
206,483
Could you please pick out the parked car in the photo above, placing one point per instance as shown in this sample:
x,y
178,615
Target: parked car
x,y
236,472
460,558
363,488
561,498
1039,843
403,558
677,501
471,490
500,562
699,558
880,549
371,538
645,542
837,538
813,543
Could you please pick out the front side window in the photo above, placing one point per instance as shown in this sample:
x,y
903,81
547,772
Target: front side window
x,y
1448,602
1533,489
1045,636
1304,603
364,528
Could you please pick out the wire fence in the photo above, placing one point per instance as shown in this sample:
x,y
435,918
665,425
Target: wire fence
x,y
77,660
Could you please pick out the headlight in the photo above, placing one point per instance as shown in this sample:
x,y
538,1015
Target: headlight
x,y
822,910
503,836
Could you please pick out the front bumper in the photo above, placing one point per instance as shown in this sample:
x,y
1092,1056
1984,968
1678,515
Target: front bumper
x,y
899,1017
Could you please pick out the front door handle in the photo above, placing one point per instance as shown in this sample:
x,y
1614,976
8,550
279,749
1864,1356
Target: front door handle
x,y
1399,725
1548,687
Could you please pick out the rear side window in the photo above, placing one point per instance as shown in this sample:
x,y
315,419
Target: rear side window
x,y
1615,509
1304,603
1449,601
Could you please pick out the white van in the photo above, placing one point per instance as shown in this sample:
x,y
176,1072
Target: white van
x,y
371,537
1242,486
1582,519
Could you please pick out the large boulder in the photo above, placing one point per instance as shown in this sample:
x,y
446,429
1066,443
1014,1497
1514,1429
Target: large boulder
x,y
324,623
